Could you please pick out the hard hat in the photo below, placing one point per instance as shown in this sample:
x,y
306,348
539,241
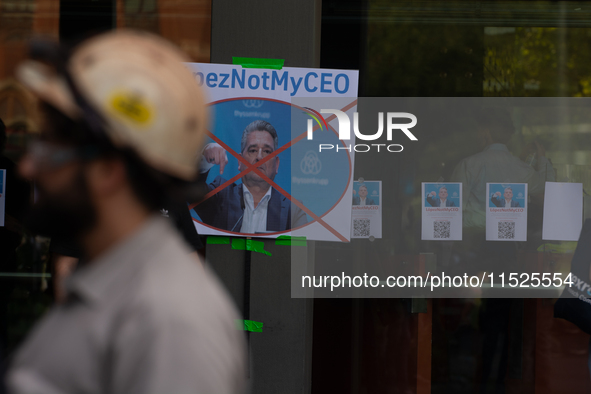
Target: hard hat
x,y
137,83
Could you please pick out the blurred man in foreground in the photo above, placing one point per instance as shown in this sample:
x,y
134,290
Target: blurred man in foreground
x,y
123,118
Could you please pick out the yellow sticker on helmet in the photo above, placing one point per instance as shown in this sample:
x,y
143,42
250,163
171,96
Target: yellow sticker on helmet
x,y
132,107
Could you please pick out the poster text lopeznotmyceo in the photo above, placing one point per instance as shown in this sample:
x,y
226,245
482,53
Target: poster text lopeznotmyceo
x,y
276,80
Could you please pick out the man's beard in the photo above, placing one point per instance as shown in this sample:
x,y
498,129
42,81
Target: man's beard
x,y
65,215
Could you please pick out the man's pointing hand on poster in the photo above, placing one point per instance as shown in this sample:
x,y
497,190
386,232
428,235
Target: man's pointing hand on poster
x,y
214,154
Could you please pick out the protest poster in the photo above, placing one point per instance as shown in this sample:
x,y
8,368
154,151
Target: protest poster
x,y
441,211
366,210
309,196
506,212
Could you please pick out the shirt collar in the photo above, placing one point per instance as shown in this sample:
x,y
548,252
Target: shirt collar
x,y
247,192
92,281
497,146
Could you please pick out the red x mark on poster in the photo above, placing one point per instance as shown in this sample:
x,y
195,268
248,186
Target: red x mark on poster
x,y
254,168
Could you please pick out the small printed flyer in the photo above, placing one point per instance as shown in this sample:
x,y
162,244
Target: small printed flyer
x,y
2,196
506,212
366,212
442,211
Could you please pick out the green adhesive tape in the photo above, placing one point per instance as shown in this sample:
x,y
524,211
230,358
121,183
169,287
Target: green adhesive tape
x,y
290,241
239,243
214,240
249,325
252,62
249,244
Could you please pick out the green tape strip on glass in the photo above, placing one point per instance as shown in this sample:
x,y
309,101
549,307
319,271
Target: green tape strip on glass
x,y
249,325
214,240
239,243
249,244
252,62
290,241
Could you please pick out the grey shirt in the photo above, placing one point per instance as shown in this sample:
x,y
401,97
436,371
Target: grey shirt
x,y
495,165
142,318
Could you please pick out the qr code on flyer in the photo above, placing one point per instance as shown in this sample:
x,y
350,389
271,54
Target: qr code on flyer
x,y
442,229
361,227
506,230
